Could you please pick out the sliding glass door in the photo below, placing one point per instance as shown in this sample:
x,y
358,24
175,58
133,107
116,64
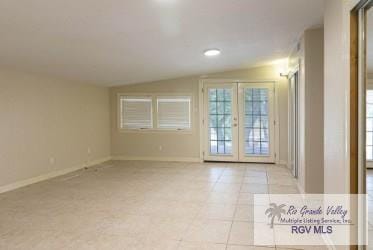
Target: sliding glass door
x,y
293,123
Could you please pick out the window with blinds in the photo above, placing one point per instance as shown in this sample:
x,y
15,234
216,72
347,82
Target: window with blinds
x,y
136,112
174,112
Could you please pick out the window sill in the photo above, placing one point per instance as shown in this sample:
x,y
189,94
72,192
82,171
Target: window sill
x,y
155,131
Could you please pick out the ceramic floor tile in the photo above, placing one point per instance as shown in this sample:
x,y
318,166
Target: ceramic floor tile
x,y
139,205
214,231
254,188
230,179
255,173
369,183
283,189
227,188
217,211
281,180
237,247
247,213
218,197
201,246
242,233
255,179
99,240
128,225
168,228
153,244
245,199
36,239
307,247
253,199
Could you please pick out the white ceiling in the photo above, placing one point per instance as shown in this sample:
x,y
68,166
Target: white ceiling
x,y
114,42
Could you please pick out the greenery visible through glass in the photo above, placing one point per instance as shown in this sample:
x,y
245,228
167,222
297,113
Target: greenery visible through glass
x,y
256,121
220,120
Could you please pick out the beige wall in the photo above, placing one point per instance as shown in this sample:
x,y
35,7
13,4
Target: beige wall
x,y
47,125
309,56
314,94
336,93
147,144
297,58
178,145
51,126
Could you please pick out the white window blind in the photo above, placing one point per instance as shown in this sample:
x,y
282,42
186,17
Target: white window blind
x,y
174,112
136,112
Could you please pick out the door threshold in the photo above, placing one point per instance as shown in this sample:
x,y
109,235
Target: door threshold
x,y
268,163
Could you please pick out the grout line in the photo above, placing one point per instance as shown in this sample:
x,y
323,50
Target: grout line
x,y
144,181
230,229
235,211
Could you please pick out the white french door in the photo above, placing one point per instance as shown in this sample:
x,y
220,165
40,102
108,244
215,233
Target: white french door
x,y
220,122
256,122
239,122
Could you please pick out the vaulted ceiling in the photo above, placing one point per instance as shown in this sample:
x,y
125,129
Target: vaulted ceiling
x,y
115,42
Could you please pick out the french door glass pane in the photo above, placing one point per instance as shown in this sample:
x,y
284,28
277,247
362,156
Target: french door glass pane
x,y
256,121
369,153
220,121
369,126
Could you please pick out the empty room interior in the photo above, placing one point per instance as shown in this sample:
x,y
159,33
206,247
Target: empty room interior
x,y
168,124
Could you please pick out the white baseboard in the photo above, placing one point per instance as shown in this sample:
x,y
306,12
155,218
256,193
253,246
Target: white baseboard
x,y
50,175
166,159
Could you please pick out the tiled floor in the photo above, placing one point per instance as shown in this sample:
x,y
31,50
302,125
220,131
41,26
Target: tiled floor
x,y
369,184
141,205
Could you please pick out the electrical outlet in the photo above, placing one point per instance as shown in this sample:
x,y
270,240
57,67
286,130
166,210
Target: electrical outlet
x,y
160,148
89,150
52,160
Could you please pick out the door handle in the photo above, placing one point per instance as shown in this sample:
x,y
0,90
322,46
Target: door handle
x,y
235,125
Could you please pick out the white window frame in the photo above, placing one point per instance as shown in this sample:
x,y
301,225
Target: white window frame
x,y
155,128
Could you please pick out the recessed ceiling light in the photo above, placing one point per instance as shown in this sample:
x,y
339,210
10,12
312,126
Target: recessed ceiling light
x,y
212,52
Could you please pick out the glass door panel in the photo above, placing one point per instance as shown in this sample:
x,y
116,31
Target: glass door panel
x,y
293,123
256,122
369,127
256,115
221,122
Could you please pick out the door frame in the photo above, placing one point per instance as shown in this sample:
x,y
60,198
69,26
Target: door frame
x,y
293,71
357,113
201,101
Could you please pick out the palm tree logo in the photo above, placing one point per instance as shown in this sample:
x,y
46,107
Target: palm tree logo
x,y
275,211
